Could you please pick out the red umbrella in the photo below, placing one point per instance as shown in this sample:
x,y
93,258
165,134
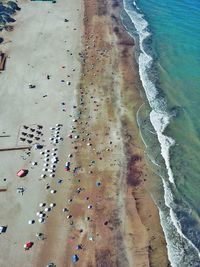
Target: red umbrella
x,y
28,245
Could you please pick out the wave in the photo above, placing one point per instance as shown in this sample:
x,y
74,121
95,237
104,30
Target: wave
x,y
177,243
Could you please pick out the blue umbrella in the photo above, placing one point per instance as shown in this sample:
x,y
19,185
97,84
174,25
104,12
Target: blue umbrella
x,y
75,258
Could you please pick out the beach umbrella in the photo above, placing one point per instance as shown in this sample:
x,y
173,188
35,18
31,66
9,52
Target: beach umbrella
x,y
65,210
51,264
79,247
41,220
38,146
98,183
52,175
42,205
44,170
54,149
45,164
34,163
31,222
75,258
47,209
28,245
89,206
41,215
42,175
52,205
53,191
42,153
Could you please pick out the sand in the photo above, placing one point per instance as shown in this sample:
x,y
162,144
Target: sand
x,y
116,222
36,48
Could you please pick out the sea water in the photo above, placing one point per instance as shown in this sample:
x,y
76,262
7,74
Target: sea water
x,y
167,35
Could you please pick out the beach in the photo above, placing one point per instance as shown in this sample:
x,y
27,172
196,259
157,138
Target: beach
x,y
71,80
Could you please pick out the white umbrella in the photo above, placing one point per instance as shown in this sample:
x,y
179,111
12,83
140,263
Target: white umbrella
x,y
42,204
31,222
45,164
47,209
44,170
53,191
52,205
41,220
52,175
42,175
34,163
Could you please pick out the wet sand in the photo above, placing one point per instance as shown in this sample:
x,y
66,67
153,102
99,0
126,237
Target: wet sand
x,y
124,221
108,212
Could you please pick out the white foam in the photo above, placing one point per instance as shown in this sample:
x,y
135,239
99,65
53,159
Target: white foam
x,y
160,119
175,249
158,116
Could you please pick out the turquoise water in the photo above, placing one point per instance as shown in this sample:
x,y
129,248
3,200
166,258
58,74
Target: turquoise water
x,y
168,43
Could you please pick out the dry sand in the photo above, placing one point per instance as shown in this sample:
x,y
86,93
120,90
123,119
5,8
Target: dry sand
x,y
121,227
36,48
